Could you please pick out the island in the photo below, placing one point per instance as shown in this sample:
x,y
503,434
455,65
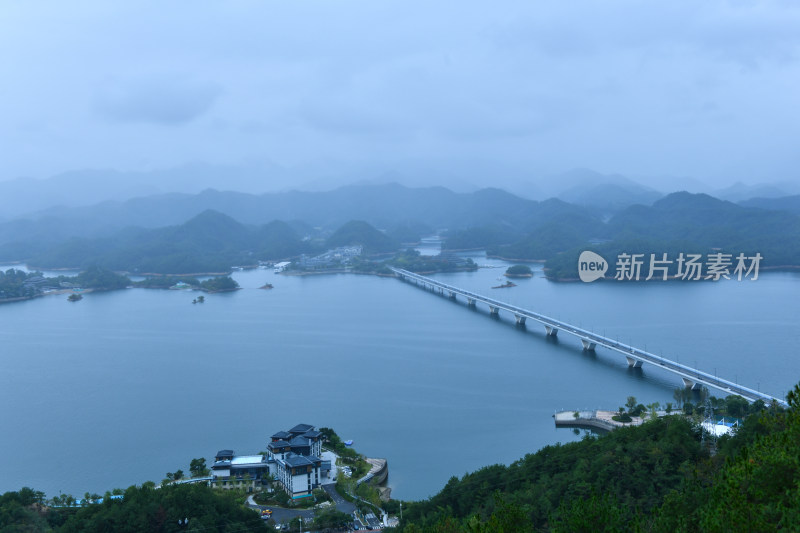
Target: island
x,y
18,285
519,271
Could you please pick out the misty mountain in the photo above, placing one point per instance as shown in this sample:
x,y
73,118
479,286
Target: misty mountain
x,y
705,220
383,206
549,214
587,188
739,192
92,186
565,227
209,242
786,203
358,232
610,197
694,223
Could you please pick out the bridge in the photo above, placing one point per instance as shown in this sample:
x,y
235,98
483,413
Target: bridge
x,y
692,377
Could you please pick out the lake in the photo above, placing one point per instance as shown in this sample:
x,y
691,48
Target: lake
x,y
125,386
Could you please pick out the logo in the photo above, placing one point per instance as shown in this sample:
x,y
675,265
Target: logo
x,y
591,266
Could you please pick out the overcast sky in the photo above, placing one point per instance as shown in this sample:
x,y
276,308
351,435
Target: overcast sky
x,y
708,89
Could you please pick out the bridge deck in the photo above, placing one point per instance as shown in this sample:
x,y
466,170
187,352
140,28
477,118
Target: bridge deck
x,y
692,375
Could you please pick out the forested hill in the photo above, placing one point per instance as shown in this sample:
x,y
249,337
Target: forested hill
x,y
209,242
505,225
659,477
680,222
358,232
784,203
383,206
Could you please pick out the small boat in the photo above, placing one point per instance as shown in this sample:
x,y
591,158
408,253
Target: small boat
x,y
348,443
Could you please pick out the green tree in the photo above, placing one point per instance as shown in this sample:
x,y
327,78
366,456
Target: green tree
x,y
679,394
519,271
197,467
219,284
736,406
631,403
597,513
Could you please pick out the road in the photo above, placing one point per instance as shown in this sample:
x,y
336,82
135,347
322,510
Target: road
x,y
280,514
341,504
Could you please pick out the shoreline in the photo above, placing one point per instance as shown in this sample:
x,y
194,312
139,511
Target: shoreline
x,y
48,293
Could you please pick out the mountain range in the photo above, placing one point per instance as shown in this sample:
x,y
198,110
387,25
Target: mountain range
x,y
213,230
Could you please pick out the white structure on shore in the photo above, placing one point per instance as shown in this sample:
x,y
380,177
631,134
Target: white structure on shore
x,y
280,267
231,471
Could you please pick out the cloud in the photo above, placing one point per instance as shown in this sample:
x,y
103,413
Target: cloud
x,y
679,87
159,101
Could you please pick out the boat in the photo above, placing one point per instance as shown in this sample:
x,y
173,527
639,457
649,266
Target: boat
x,y
348,443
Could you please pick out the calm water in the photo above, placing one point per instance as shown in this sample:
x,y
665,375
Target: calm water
x,y
125,386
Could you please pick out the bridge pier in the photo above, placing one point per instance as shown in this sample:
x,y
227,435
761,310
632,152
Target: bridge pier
x,y
471,302
452,295
494,311
633,363
689,384
551,331
588,345
520,320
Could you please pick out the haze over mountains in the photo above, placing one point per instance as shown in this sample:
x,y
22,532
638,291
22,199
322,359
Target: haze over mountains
x,y
35,198
214,230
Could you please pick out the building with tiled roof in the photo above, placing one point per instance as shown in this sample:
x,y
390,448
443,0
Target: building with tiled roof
x,y
298,467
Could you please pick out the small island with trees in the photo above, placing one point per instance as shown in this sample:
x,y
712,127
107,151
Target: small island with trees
x,y
519,271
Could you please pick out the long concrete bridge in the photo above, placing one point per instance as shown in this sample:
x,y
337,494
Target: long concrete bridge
x,y
692,377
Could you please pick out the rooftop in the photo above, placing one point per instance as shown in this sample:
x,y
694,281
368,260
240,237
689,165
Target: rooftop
x,y
301,428
299,441
293,460
247,460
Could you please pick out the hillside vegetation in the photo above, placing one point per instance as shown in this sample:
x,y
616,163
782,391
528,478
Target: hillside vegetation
x,y
144,508
661,476
209,242
679,223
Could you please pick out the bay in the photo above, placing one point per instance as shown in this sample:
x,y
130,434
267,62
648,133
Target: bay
x,y
125,386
